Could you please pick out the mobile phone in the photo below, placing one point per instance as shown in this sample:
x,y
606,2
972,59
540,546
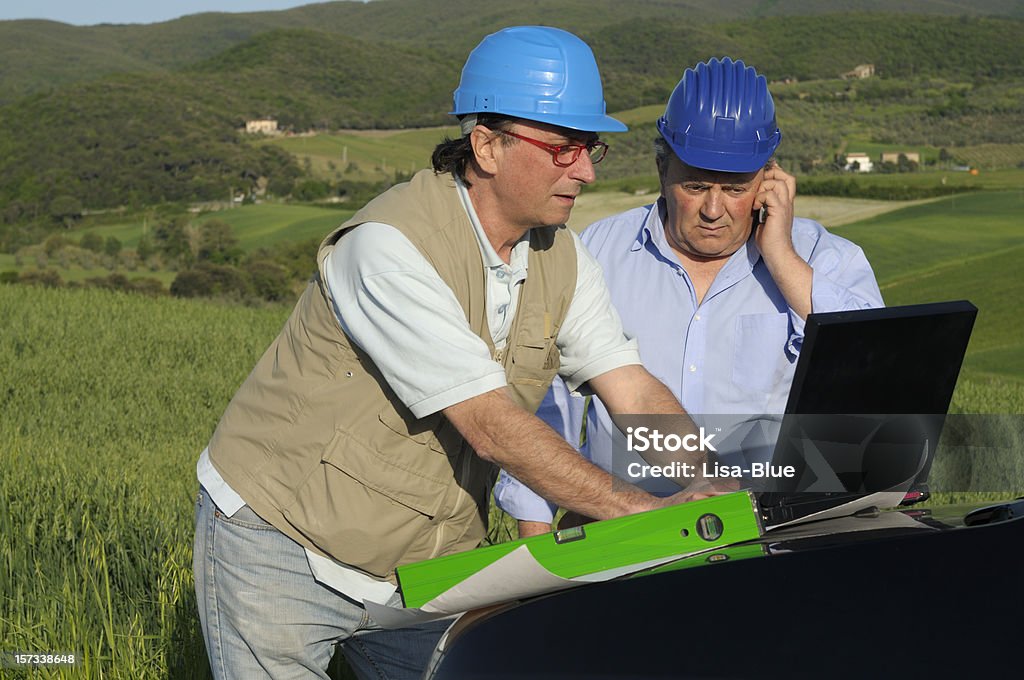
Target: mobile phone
x,y
761,217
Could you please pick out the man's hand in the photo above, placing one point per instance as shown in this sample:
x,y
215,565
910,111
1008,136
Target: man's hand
x,y
702,488
698,490
776,195
774,239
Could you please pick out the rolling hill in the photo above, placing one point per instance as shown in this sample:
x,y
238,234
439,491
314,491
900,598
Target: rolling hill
x,y
49,54
168,130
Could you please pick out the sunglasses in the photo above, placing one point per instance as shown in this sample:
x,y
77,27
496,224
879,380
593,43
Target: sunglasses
x,y
565,155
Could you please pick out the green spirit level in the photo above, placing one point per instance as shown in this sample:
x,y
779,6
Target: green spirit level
x,y
681,529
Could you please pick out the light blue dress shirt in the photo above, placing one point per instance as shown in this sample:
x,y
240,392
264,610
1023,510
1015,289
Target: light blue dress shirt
x,y
732,354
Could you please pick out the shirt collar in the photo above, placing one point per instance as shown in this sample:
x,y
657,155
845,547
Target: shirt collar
x,y
650,225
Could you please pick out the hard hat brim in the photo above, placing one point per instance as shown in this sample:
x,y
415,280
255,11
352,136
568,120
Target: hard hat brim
x,y
581,122
697,153
706,160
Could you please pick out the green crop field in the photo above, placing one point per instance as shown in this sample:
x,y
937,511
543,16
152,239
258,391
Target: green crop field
x,y
108,399
1000,180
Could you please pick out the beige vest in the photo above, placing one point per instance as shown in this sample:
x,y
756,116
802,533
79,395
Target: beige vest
x,y
318,444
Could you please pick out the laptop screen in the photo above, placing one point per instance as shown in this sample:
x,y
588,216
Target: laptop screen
x,y
890,360
869,395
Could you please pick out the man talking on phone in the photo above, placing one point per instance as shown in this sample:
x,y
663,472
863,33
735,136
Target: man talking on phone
x,y
717,277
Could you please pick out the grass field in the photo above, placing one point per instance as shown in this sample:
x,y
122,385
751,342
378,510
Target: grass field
x,y
107,400
365,155
266,224
830,211
255,226
967,247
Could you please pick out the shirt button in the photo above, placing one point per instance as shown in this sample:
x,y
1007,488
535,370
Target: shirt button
x,y
501,274
697,317
693,368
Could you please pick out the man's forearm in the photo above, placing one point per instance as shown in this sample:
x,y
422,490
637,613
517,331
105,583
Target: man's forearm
x,y
506,435
793,277
633,391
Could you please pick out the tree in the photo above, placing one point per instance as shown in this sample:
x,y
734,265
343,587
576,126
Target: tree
x,y
217,243
208,280
112,246
91,241
66,210
269,280
53,244
172,239
145,248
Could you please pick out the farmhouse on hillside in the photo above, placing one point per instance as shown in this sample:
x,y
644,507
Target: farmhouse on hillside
x,y
266,126
894,156
858,162
859,71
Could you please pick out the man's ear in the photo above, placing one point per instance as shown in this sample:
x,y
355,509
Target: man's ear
x,y
485,143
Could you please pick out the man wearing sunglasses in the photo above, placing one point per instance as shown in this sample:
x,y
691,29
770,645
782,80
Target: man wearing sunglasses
x,y
370,433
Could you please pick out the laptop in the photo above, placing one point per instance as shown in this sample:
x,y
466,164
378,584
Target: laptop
x,y
869,396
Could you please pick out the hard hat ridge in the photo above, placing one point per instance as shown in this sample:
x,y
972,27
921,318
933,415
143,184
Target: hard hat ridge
x,y
721,117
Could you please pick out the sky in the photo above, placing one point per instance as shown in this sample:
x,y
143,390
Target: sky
x,y
84,13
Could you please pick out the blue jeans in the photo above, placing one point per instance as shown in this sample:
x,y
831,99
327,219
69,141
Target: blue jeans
x,y
264,616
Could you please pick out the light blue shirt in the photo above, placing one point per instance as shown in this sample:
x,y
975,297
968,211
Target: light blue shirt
x,y
734,353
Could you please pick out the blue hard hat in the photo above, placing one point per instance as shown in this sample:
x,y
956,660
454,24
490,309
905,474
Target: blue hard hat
x,y
721,117
536,73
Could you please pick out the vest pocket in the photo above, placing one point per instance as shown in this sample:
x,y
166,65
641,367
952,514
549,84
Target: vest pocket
x,y
384,500
528,367
398,464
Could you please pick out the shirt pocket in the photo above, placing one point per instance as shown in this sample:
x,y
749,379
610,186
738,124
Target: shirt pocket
x,y
759,353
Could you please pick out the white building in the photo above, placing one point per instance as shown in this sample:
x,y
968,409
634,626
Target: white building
x,y
267,126
862,160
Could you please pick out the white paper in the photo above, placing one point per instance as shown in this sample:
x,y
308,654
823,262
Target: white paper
x,y
879,499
